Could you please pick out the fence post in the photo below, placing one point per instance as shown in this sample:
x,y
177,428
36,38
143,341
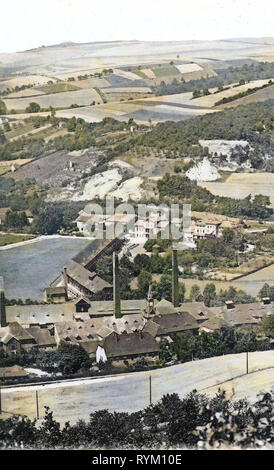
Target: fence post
x,y
37,404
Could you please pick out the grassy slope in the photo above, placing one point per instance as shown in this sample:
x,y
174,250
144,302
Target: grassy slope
x,y
7,239
258,96
57,88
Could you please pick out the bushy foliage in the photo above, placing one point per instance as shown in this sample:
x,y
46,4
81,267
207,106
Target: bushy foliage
x,y
196,421
239,73
180,189
224,341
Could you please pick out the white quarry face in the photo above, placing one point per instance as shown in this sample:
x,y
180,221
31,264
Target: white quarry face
x,y
203,171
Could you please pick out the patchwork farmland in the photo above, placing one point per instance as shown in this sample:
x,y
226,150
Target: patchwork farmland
x,y
25,80
56,100
243,184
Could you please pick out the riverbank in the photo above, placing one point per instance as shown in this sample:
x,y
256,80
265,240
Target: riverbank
x,y
40,238
29,267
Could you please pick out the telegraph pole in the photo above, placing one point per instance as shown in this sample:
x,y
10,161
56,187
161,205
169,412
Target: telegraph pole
x,y
37,404
150,391
0,402
247,362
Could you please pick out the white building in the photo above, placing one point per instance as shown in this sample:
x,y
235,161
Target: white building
x,y
203,230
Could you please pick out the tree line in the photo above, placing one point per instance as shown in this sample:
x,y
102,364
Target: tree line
x,y
195,421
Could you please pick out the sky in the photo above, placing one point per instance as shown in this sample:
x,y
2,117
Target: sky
x,y
31,23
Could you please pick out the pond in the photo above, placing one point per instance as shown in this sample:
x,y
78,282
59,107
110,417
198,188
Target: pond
x,y
28,269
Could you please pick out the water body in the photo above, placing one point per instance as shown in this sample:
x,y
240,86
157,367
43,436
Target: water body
x,y
27,270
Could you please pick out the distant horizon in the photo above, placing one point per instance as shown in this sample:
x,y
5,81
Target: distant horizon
x,y
76,43
31,24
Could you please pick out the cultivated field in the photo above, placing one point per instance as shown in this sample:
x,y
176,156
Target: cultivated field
x,y
141,110
57,100
92,82
58,87
260,95
126,74
251,284
25,93
148,73
67,60
24,80
188,68
210,100
6,165
240,185
165,70
54,168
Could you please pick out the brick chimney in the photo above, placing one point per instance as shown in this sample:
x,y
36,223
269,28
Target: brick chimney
x,y
3,318
175,284
116,286
65,276
150,302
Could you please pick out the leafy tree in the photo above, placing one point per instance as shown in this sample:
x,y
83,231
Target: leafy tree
x,y
142,261
3,107
268,326
144,280
15,220
6,126
267,291
49,220
260,200
209,295
72,357
228,234
195,293
33,108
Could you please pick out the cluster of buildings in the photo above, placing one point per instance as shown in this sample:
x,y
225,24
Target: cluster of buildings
x,y
122,331
151,225
139,230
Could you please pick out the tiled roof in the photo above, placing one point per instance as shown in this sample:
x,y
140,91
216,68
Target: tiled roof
x,y
176,322
130,345
40,314
42,336
87,279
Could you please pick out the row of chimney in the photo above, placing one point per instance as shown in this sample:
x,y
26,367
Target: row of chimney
x,y
116,283
3,319
116,288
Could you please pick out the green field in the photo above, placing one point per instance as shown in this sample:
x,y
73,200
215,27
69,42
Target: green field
x,y
20,130
58,87
165,71
8,239
138,72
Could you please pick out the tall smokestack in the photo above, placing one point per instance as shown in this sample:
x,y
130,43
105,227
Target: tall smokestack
x,y
116,286
65,276
175,284
3,319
